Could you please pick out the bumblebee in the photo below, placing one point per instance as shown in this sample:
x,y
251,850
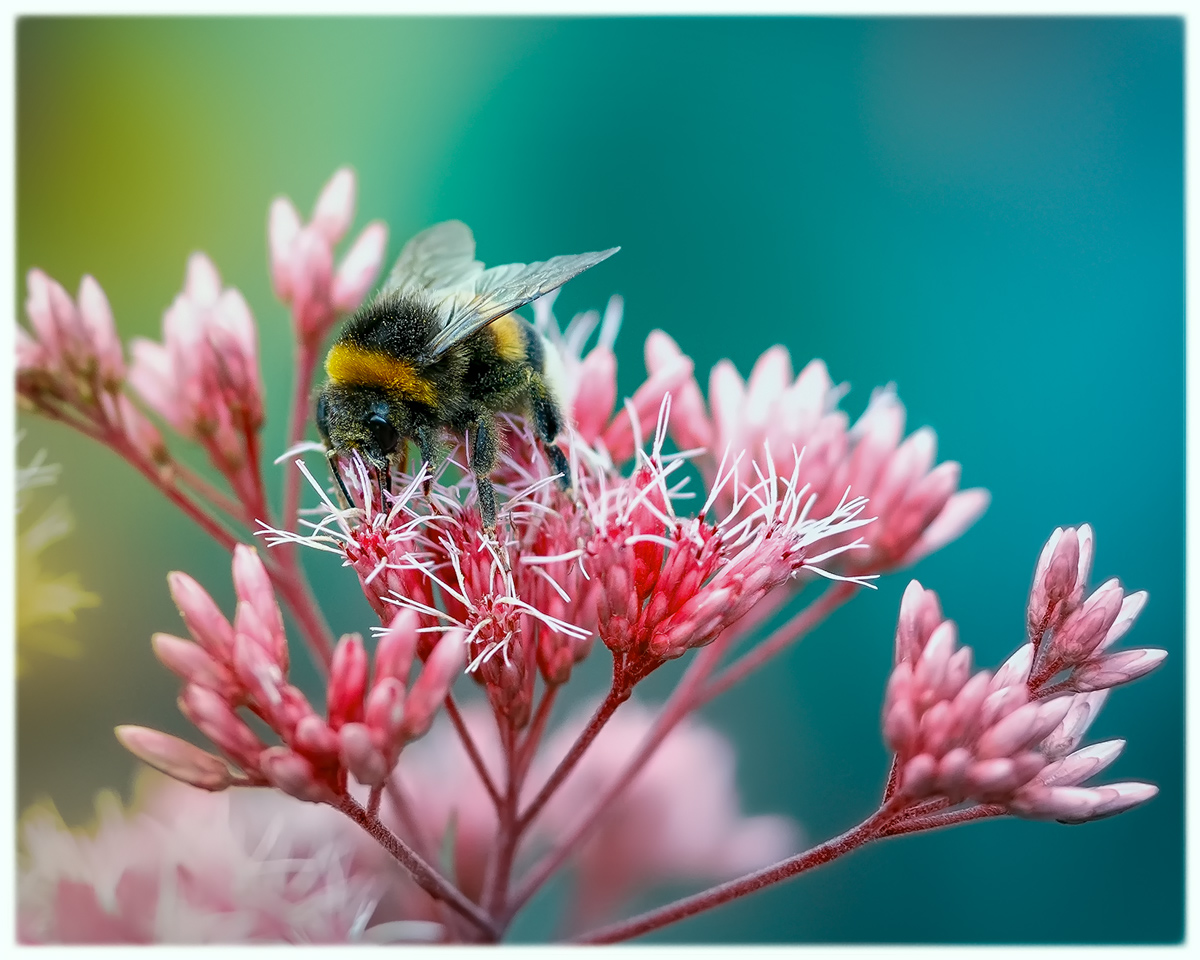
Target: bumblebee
x,y
439,348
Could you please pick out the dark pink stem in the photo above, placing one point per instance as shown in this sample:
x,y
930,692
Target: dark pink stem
x,y
826,852
472,751
426,876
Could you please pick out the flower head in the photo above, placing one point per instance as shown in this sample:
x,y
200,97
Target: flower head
x,y
918,506
369,716
204,379
1004,739
302,269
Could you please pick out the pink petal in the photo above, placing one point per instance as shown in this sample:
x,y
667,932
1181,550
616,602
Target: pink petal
x,y
283,226
203,284
98,319
334,211
203,617
176,758
360,267
956,518
347,681
441,668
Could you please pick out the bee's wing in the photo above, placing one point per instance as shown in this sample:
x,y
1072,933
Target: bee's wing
x,y
501,290
442,257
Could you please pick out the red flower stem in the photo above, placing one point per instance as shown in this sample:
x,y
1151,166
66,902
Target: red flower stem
x,y
427,878
785,636
306,362
373,800
893,780
617,694
472,751
935,821
686,696
408,819
826,852
209,492
536,729
508,832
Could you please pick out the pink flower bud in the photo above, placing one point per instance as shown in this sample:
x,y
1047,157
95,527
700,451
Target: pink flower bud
x,y
190,662
334,210
97,318
292,774
441,668
1085,628
384,714
1074,768
689,419
176,758
316,739
397,647
217,721
257,672
917,776
595,395
359,269
359,756
204,620
1022,728
1114,669
253,585
920,614
347,681
283,226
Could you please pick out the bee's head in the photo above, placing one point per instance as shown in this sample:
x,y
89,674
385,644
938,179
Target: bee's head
x,y
362,419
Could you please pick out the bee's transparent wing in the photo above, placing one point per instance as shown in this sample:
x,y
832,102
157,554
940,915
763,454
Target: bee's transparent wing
x,y
442,257
501,290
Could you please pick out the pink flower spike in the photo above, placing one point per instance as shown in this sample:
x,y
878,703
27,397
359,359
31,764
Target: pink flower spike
x,y
334,210
441,668
347,681
176,758
204,620
292,774
359,269
1115,669
98,319
283,226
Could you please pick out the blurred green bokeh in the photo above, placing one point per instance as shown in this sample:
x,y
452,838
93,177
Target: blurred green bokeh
x,y
987,212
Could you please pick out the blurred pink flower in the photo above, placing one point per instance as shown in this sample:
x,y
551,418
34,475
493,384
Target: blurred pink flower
x,y
203,379
679,820
368,719
302,270
992,739
918,505
185,866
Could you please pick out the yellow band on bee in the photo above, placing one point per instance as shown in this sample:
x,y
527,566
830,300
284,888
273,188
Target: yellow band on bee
x,y
356,366
510,342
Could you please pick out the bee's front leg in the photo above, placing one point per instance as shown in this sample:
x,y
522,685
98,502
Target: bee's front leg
x,y
484,451
425,442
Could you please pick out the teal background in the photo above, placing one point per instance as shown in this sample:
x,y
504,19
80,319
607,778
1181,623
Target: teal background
x,y
987,212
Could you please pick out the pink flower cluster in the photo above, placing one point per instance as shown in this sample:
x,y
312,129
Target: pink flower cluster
x,y
370,715
302,270
795,492
1011,738
797,424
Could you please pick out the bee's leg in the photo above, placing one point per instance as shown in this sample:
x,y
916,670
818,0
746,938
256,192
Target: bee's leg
x,y
547,421
332,457
484,450
424,440
384,477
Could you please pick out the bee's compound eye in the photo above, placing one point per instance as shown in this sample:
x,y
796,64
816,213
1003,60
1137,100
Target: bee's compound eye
x,y
323,416
385,434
